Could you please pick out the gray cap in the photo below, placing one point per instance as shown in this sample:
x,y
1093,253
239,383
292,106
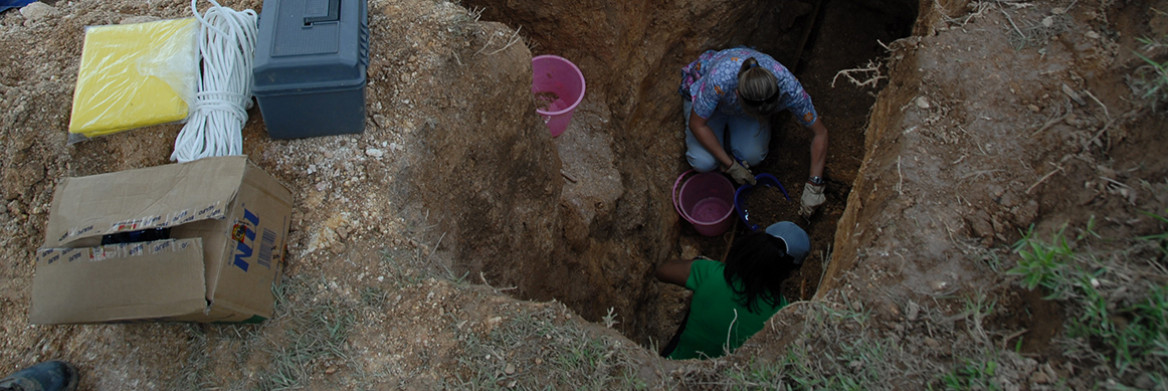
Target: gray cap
x,y
798,244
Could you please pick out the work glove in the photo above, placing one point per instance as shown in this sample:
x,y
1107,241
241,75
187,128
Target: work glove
x,y
740,173
812,198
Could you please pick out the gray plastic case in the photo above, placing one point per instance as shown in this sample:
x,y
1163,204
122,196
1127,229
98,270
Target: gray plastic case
x,y
309,69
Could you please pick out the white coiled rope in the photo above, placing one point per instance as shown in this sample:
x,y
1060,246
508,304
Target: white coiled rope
x,y
227,41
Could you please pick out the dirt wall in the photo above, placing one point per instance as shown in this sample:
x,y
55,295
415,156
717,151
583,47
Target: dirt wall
x,y
630,54
985,131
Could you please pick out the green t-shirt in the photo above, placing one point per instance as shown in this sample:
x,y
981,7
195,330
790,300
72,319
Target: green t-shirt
x,y
715,316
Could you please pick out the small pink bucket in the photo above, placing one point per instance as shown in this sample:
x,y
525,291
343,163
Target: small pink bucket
x,y
563,84
706,200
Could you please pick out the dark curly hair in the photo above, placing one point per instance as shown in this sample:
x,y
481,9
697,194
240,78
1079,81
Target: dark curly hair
x,y
756,267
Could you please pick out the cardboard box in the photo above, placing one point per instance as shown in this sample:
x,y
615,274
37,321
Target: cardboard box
x,y
227,222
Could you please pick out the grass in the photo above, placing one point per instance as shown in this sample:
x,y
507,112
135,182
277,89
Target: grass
x,y
406,268
972,375
1042,264
307,336
836,350
193,374
854,364
534,350
313,334
1119,312
1150,81
1160,239
297,342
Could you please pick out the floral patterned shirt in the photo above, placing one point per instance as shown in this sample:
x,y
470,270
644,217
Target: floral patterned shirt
x,y
709,82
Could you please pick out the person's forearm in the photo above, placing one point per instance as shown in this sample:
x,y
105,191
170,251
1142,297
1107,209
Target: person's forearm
x,y
705,136
674,271
818,148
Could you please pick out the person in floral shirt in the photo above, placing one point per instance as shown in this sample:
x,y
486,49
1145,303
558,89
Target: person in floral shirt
x,y
733,92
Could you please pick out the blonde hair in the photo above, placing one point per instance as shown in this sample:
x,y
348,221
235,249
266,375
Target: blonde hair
x,y
758,89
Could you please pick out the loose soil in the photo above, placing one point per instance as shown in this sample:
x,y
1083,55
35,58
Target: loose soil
x,y
545,99
766,205
455,221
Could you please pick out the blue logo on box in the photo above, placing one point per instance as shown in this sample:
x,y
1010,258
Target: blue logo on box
x,y
244,235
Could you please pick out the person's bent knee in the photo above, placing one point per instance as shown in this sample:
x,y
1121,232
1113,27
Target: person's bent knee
x,y
751,153
754,159
702,164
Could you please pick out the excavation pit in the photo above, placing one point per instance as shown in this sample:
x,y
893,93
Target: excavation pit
x,y
625,145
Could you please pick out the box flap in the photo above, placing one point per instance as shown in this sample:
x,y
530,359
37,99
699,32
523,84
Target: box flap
x,y
161,196
118,282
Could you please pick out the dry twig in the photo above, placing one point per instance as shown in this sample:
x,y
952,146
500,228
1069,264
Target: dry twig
x,y
1098,134
1012,336
1105,111
483,277
980,173
567,176
1053,121
1011,20
900,181
1045,177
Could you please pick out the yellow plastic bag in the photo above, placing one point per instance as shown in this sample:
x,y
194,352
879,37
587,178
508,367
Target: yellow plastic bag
x,y
135,75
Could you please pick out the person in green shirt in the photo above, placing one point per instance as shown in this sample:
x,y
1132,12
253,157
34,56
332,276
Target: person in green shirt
x,y
732,300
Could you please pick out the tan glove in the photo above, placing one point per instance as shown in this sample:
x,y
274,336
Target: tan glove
x,y
741,174
812,198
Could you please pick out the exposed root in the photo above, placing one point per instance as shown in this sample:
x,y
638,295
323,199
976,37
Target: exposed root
x,y
510,41
871,71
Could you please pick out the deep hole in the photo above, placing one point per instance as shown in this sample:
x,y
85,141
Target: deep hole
x,y
813,38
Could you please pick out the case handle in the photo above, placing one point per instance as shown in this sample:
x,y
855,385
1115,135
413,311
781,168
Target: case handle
x,y
321,11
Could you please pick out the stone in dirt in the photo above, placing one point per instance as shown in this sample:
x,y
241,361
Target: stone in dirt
x,y
37,11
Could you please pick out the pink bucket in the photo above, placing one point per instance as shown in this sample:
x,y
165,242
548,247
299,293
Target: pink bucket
x,y
559,84
706,200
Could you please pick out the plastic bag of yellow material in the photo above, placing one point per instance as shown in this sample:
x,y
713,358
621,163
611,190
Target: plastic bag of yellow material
x,y
134,75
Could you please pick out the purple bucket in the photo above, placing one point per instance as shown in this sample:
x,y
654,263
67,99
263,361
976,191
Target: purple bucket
x,y
563,83
706,200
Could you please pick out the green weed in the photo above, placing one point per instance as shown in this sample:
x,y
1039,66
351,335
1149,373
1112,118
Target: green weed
x,y
1161,239
1122,325
1042,264
972,375
1137,333
1150,81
